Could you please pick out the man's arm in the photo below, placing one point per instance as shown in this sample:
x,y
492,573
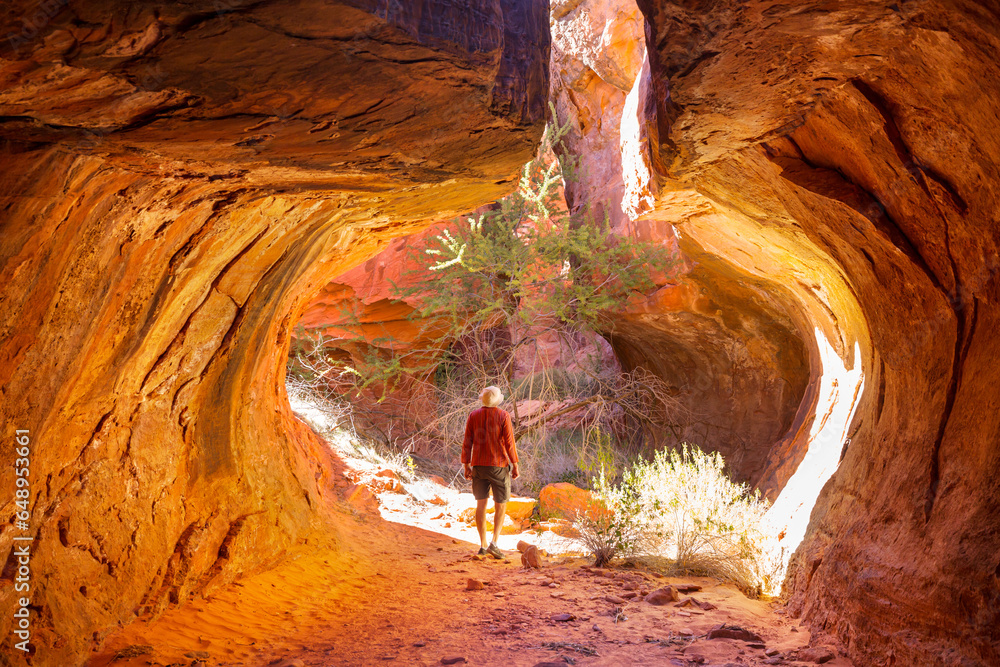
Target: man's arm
x,y
467,448
507,438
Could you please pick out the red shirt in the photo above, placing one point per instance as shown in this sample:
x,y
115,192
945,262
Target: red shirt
x,y
489,438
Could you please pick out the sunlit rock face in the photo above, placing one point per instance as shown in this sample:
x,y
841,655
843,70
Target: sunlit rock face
x,y
735,357
842,158
179,179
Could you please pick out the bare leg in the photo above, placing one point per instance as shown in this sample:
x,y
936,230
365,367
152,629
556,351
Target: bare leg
x,y
481,520
498,514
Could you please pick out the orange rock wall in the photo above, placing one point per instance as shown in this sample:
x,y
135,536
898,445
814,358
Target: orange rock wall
x,y
736,358
178,181
842,157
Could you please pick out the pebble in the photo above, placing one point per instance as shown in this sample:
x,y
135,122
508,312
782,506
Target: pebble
x,y
474,585
614,599
771,652
453,661
420,644
563,617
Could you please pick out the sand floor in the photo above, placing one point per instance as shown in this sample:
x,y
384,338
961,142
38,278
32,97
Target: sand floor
x,y
399,595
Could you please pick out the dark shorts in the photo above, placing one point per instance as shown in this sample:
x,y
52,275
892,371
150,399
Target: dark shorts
x,y
497,478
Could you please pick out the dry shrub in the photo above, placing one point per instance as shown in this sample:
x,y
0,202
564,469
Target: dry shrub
x,y
683,506
615,526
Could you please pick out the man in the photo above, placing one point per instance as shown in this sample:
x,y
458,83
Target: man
x,y
490,460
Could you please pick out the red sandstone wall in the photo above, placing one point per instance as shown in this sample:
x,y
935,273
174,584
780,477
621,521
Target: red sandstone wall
x,y
177,181
846,158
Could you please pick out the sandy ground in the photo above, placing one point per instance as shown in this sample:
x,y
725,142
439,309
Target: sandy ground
x,y
399,596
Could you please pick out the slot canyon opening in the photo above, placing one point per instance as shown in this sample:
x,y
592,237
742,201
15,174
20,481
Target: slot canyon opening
x,y
388,366
181,180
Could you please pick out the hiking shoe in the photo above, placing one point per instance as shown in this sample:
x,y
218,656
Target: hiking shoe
x,y
494,551
482,552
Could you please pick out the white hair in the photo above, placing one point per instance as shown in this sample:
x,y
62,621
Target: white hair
x,y
491,396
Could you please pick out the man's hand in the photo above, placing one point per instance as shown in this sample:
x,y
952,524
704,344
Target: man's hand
x,y
468,471
514,472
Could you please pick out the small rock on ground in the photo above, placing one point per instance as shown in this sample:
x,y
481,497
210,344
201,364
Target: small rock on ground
x,y
817,655
734,632
662,596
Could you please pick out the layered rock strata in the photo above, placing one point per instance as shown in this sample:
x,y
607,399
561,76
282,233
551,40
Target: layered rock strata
x,y
178,181
841,156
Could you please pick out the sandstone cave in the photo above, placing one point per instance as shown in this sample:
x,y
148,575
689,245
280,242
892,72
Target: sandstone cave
x,y
189,186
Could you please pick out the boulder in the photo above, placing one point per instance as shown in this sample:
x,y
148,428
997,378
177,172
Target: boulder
x,y
520,509
564,500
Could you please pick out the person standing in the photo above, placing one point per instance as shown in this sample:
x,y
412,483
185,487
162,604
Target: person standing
x,y
490,459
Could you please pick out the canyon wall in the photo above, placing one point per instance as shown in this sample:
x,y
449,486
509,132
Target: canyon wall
x,y
841,158
831,174
179,180
730,350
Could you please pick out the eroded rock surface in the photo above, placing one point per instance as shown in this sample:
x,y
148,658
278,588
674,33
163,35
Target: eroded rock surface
x,y
178,181
842,156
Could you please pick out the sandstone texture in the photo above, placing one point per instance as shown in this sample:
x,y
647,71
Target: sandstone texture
x,y
179,180
831,174
839,160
